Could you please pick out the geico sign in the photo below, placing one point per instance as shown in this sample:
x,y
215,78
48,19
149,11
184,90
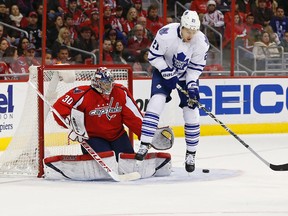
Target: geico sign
x,y
6,101
244,99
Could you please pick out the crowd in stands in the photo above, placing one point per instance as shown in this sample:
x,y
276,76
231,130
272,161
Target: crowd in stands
x,y
252,19
73,33
128,30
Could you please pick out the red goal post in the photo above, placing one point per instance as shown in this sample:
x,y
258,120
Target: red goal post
x,y
37,134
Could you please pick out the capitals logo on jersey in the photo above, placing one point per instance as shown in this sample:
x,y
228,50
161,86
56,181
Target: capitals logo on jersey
x,y
180,62
107,110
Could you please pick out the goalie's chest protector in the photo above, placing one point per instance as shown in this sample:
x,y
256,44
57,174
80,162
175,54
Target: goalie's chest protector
x,y
103,118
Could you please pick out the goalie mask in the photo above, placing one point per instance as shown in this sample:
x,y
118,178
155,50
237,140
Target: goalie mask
x,y
103,81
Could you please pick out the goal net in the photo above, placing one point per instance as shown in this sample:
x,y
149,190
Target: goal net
x,y
38,135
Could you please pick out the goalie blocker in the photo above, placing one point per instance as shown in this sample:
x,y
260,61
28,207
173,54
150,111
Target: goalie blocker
x,y
84,167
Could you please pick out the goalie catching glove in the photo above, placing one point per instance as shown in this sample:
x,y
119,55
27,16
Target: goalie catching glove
x,y
163,138
77,126
193,91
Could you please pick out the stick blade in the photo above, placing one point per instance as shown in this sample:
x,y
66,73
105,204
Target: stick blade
x,y
282,167
125,177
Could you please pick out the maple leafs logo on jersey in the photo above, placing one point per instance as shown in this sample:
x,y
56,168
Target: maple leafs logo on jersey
x,y
180,62
163,31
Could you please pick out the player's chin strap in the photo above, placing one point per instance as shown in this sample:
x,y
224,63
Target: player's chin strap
x,y
95,156
281,167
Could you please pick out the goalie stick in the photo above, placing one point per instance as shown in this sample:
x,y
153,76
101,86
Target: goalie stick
x,y
281,167
94,155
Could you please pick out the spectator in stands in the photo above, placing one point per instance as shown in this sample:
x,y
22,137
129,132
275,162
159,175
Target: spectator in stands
x,y
48,57
85,42
126,4
63,56
3,71
88,5
239,31
119,19
4,44
22,45
169,20
130,21
262,14
63,39
53,32
35,34
25,61
25,6
108,18
200,6
54,9
284,42
107,52
121,55
110,34
138,42
252,30
154,22
215,19
69,24
246,6
273,35
147,33
142,63
4,17
223,6
139,8
283,4
77,14
228,14
16,17
39,11
260,49
279,23
9,57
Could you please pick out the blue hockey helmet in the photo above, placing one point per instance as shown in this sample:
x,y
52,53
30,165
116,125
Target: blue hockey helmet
x,y
103,80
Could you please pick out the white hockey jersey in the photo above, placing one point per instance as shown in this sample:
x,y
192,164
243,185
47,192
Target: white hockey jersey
x,y
168,49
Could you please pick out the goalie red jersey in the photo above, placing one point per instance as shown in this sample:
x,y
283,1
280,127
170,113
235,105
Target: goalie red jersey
x,y
103,117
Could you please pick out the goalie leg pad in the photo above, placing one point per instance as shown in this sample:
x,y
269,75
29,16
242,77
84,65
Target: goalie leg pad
x,y
78,167
154,164
163,138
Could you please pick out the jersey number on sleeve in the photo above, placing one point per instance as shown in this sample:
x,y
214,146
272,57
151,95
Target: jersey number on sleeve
x,y
67,99
155,45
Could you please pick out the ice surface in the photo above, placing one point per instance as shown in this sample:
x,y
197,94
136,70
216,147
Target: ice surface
x,y
239,184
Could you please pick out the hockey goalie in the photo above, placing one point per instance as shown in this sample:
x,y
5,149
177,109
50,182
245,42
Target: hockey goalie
x,y
96,114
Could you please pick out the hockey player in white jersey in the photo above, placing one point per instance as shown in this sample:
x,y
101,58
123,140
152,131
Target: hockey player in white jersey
x,y
178,55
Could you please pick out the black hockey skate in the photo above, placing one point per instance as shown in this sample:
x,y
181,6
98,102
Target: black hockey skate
x,y
190,161
142,152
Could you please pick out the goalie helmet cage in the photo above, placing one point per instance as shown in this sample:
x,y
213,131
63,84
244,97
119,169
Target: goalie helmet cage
x,y
37,134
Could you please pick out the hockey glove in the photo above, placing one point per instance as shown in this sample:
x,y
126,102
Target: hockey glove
x,y
193,91
77,127
170,77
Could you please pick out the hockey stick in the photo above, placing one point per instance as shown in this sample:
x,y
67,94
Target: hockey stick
x,y
86,146
281,167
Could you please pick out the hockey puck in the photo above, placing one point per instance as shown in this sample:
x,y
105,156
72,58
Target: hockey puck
x,y
205,170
